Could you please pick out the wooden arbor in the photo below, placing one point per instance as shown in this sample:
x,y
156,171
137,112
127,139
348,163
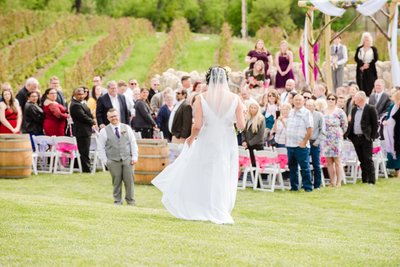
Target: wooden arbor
x,y
328,39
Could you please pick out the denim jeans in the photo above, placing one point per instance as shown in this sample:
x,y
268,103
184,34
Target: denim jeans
x,y
299,156
315,158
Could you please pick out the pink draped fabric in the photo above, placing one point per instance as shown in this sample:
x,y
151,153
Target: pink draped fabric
x,y
66,150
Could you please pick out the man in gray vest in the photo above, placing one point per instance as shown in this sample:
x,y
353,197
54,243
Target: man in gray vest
x,y
338,61
119,151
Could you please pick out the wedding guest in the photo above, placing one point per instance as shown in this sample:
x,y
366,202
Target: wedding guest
x,y
353,89
366,56
392,134
92,101
256,76
55,84
338,61
379,98
82,126
55,114
111,100
158,99
144,122
10,114
362,130
299,127
31,84
336,126
32,122
279,129
260,53
316,139
320,91
290,86
154,88
270,107
164,114
180,120
253,133
284,65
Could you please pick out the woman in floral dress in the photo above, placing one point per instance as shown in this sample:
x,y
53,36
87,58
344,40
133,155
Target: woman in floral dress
x,y
336,125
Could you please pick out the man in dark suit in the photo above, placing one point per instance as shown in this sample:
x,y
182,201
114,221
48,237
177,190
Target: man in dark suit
x,y
379,98
31,84
154,86
82,127
111,100
362,130
180,121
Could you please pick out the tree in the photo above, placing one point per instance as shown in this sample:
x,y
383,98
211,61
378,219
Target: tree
x,y
271,13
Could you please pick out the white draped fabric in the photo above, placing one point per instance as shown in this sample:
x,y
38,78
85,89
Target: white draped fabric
x,y
370,7
305,51
328,8
393,49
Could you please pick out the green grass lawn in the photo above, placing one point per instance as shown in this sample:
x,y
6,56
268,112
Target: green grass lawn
x,y
199,53
240,50
76,49
53,220
137,65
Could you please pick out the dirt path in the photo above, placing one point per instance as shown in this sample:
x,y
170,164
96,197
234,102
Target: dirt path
x,y
125,55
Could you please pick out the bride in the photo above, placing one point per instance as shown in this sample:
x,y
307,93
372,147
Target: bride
x,y
201,183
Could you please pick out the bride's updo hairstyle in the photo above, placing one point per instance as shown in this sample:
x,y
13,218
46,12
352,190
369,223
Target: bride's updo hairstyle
x,y
214,70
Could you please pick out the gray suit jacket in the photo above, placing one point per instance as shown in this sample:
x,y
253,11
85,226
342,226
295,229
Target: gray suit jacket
x,y
382,105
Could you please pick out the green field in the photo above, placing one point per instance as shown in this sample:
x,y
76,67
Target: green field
x,y
59,220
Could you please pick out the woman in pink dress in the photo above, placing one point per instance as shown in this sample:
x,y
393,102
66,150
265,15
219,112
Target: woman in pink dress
x,y
56,114
10,114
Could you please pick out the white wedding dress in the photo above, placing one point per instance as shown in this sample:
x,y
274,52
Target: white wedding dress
x,y
201,183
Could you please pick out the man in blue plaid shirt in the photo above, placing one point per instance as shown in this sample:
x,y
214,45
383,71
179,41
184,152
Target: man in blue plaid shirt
x,y
299,127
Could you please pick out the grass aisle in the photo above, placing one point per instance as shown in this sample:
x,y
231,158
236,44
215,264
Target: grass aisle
x,y
138,64
199,53
75,51
51,220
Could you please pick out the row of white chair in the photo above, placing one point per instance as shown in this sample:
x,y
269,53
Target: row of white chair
x,y
273,170
52,152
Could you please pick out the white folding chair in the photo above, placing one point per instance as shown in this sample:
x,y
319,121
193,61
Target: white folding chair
x,y
66,150
34,163
245,164
350,162
45,153
94,155
267,163
379,160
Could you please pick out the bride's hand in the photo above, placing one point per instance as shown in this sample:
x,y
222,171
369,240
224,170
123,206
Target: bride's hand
x,y
190,140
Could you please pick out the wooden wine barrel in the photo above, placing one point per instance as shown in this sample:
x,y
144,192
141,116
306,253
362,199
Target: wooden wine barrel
x,y
153,158
15,156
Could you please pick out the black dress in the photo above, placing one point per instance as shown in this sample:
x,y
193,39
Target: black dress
x,y
366,78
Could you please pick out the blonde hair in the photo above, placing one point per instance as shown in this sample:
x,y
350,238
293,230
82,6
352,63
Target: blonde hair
x,y
396,97
255,120
255,71
263,49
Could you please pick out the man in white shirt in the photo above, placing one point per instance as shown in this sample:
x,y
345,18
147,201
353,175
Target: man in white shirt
x,y
119,151
379,98
290,86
